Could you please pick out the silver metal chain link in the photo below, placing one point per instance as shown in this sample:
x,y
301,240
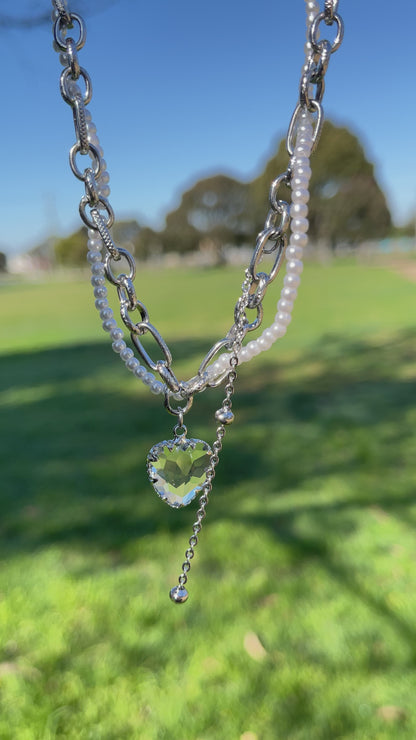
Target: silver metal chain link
x,y
314,71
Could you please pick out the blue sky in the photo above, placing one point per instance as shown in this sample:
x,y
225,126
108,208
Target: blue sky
x,y
187,89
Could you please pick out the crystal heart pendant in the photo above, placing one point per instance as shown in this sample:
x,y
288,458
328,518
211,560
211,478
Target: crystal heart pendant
x,y
178,468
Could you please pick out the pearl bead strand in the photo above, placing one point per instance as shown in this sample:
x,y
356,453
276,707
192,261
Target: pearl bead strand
x,y
294,252
299,227
94,257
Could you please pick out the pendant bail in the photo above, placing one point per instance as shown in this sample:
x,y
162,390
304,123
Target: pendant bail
x,y
179,410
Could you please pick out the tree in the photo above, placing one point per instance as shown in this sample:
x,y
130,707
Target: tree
x,y
216,211
346,202
72,249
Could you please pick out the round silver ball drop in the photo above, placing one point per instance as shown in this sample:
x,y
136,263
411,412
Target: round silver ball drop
x,y
178,594
224,416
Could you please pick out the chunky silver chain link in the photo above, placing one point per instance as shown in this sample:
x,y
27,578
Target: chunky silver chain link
x,y
314,71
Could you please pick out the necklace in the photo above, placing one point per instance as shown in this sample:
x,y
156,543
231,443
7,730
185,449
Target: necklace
x,y
183,468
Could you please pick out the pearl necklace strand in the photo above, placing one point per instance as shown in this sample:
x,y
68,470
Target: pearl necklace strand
x,y
294,267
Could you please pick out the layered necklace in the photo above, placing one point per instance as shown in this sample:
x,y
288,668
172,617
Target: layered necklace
x,y
183,468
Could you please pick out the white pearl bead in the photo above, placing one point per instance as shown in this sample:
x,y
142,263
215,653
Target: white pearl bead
x,y
100,303
263,343
303,150
279,330
224,360
100,292
269,336
216,368
295,266
104,190
244,355
140,371
294,253
149,378
298,210
105,177
301,161
298,240
97,268
157,387
253,348
302,171
116,334
304,137
282,317
284,305
299,225
289,293
109,324
132,364
119,346
126,354
93,256
291,280
97,280
299,182
300,196
106,313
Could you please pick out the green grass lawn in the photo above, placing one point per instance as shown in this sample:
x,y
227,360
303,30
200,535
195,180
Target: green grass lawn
x,y
301,619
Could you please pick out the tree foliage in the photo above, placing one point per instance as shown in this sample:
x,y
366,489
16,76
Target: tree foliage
x,y
72,250
346,206
215,211
346,203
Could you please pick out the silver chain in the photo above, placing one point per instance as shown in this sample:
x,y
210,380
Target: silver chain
x,y
225,416
314,71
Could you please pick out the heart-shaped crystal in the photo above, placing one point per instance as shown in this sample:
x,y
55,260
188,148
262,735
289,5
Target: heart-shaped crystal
x,y
178,469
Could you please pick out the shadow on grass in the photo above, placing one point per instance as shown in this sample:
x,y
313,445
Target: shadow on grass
x,y
76,431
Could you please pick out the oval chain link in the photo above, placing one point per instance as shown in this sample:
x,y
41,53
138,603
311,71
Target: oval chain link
x,y
313,73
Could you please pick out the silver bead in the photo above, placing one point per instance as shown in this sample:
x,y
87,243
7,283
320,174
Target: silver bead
x,y
178,594
224,416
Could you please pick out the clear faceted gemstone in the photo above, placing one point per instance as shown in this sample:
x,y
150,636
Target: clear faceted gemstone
x,y
178,469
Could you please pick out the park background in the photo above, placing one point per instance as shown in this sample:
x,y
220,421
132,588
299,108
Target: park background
x,y
300,622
